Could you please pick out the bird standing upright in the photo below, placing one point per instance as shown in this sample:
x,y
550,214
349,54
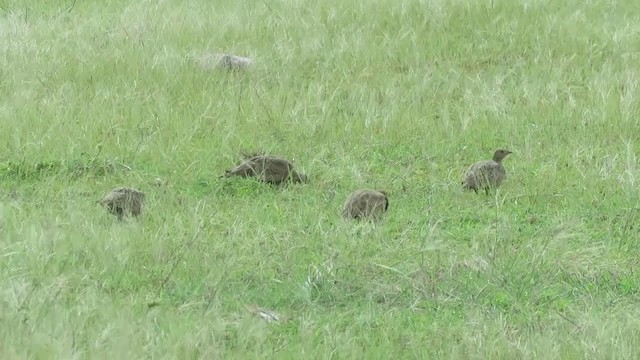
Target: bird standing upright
x,y
487,174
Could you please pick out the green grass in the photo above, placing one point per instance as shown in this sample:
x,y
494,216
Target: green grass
x,y
397,95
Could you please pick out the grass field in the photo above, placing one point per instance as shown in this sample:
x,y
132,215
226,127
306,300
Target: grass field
x,y
396,95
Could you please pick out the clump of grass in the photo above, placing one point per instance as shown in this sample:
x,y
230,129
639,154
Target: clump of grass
x,y
74,169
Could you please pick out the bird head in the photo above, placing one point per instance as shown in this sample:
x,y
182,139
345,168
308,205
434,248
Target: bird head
x,y
386,198
500,154
299,177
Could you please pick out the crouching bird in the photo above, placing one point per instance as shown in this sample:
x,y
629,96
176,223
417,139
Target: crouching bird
x,y
270,169
123,201
366,204
487,174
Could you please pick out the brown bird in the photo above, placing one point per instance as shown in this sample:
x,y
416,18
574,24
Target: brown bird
x,y
270,169
123,201
365,203
488,174
234,62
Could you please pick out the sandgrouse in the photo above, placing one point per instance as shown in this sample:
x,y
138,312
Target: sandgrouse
x,y
270,169
123,201
365,204
487,174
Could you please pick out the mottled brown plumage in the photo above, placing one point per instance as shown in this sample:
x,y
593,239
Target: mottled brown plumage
x,y
230,62
270,169
234,62
365,204
124,201
488,174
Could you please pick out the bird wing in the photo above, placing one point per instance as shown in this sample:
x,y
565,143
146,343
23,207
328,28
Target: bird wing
x,y
365,203
276,169
247,168
476,173
485,173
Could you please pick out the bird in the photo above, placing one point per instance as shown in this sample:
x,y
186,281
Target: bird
x,y
234,62
267,168
487,174
123,201
366,204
